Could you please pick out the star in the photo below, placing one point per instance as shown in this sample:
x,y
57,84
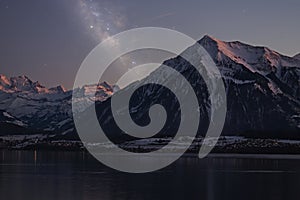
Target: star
x,y
96,14
91,26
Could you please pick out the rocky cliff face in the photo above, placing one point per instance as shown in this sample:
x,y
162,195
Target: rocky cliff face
x,y
262,86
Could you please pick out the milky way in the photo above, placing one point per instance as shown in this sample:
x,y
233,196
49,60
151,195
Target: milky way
x,y
101,19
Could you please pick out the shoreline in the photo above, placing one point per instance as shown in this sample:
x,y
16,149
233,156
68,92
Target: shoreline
x,y
226,145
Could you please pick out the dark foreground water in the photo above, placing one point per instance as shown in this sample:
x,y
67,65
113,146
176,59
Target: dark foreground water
x,y
76,175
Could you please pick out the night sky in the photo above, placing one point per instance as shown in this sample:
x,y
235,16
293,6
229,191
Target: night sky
x,y
48,39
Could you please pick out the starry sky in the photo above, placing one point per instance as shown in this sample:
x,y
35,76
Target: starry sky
x,y
48,40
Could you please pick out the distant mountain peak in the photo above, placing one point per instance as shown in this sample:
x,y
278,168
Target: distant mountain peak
x,y
105,84
58,89
23,83
4,80
209,38
262,91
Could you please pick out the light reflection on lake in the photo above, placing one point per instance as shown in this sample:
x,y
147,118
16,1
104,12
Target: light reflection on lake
x,y
76,175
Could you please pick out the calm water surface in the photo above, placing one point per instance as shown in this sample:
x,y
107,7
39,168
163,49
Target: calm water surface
x,y
76,175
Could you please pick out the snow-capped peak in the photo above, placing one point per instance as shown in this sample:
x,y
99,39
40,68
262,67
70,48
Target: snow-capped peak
x,y
4,82
209,38
254,58
58,89
103,89
24,84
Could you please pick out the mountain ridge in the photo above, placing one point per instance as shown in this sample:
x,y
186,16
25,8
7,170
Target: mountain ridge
x,y
263,89
297,56
25,104
23,83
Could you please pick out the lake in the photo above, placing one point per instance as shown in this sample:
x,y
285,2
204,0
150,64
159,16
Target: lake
x,y
77,175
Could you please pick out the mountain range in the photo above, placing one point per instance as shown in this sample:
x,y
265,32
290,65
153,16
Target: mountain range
x,y
262,87
29,107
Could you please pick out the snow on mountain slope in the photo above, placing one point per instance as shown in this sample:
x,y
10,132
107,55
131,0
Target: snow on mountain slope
x,y
297,56
271,99
91,93
261,60
7,118
256,59
39,107
263,94
262,86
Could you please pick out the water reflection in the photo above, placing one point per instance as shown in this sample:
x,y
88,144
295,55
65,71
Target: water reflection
x,y
76,175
